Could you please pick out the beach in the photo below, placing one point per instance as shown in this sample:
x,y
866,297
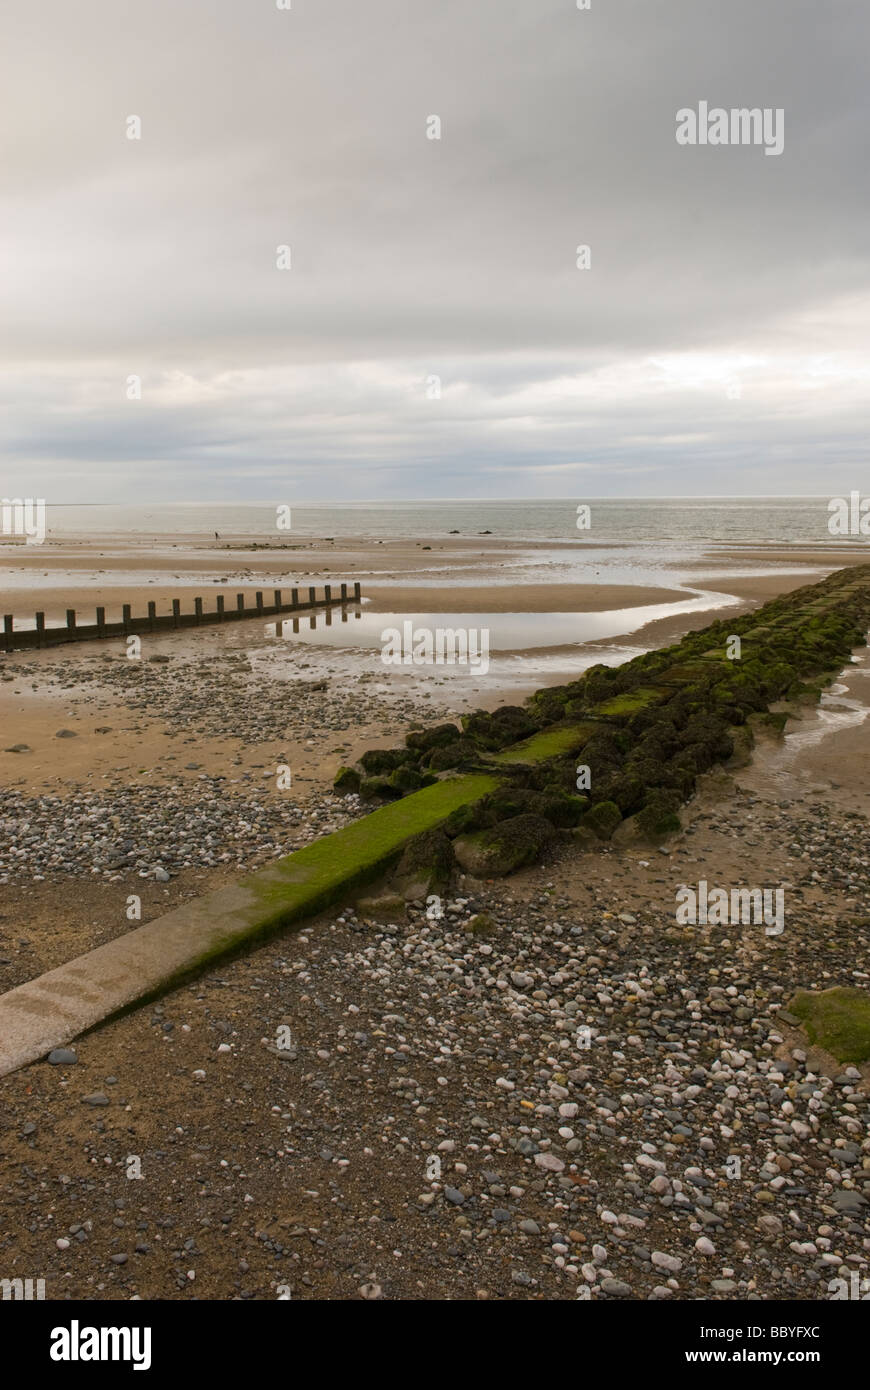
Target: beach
x,y
91,687
182,1156
434,674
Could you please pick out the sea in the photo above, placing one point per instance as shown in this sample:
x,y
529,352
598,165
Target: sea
x,y
798,521
657,542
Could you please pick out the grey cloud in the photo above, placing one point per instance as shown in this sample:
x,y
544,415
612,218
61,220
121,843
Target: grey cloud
x,y
413,257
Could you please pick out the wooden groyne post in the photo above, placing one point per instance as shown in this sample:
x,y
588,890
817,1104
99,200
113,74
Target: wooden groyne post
x,y
21,639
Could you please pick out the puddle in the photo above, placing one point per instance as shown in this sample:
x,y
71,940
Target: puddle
x,y
836,711
801,759
508,632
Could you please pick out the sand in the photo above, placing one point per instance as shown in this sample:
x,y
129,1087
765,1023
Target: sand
x,y
459,575
286,1214
476,575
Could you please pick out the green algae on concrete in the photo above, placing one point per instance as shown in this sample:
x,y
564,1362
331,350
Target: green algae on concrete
x,y
312,877
632,702
56,1007
823,622
836,1019
552,743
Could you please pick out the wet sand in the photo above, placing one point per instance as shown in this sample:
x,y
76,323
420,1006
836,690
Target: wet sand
x,y
469,574
310,1172
79,688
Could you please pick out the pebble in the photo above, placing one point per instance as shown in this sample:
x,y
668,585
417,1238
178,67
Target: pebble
x,y
62,1057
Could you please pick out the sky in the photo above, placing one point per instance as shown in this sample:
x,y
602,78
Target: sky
x,y
433,335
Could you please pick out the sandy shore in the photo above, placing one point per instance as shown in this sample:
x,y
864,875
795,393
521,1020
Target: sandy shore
x,y
467,575
85,690
313,1171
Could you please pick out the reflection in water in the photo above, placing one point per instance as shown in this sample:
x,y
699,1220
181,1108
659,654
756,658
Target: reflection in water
x,y
785,768
508,632
288,627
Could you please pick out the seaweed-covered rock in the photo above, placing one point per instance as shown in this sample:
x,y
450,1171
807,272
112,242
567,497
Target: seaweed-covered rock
x,y
625,789
460,753
741,747
603,818
501,805
836,1019
586,838
370,788
481,924
559,807
503,848
420,740
347,779
497,728
376,761
425,865
464,820
659,816
408,779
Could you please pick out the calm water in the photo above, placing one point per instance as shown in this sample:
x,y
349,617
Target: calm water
x,y
788,521
507,632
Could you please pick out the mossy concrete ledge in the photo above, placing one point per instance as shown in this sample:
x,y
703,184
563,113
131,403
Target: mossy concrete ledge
x,y
56,1007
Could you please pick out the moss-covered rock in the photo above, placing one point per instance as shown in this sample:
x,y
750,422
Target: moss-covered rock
x,y
420,740
836,1019
464,820
346,780
481,924
603,818
659,816
503,848
559,807
425,865
462,752
741,747
408,779
376,761
372,788
495,729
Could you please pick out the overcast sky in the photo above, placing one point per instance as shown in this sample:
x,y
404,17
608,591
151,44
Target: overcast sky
x,y
717,344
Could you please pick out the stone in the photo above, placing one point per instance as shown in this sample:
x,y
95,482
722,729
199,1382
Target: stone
x,y
389,907
549,1162
668,1262
425,866
615,1288
503,848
